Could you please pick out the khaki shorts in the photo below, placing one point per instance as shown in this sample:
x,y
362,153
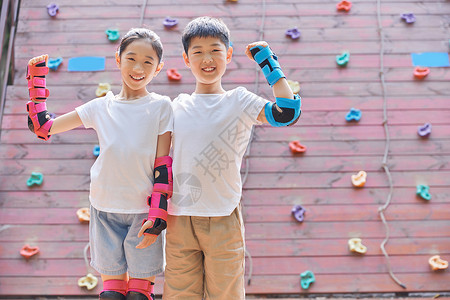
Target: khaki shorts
x,y
205,258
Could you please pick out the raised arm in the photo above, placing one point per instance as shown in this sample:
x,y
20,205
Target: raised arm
x,y
286,110
39,119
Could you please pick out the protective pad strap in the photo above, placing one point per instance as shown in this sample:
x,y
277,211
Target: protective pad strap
x,y
43,131
164,182
157,213
290,111
39,69
36,81
142,286
268,62
39,94
115,285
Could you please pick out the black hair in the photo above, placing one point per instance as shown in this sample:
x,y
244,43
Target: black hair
x,y
138,34
205,27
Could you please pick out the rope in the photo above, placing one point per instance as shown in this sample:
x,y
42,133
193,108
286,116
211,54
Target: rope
x,y
385,166
144,5
247,151
86,261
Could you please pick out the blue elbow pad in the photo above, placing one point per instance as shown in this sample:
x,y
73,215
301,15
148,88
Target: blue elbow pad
x,y
290,111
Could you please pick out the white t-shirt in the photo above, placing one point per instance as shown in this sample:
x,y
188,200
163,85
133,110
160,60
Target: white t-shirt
x,y
122,175
211,134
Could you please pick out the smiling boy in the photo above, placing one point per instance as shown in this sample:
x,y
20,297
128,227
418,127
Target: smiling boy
x,y
205,234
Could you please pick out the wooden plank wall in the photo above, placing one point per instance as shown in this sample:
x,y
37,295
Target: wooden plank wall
x,y
280,247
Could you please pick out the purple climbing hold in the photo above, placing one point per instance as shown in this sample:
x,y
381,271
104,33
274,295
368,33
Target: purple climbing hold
x,y
169,22
408,17
294,33
298,212
424,130
52,9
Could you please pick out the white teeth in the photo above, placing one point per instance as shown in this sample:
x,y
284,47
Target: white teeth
x,y
137,78
208,69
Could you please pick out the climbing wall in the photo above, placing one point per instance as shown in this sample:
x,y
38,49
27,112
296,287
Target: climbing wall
x,y
337,64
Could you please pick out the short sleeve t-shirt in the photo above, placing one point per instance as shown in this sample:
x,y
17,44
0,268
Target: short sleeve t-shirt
x,y
122,175
211,134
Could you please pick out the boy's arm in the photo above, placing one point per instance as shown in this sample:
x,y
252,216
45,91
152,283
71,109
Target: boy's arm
x,y
286,110
162,191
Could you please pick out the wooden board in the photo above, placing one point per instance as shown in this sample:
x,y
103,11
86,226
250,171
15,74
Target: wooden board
x,y
280,247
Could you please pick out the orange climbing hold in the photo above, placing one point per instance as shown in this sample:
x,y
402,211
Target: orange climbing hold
x,y
436,263
421,72
296,147
84,215
27,251
173,74
344,5
359,180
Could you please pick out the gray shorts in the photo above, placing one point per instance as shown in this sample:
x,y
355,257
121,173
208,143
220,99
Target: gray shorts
x,y
113,240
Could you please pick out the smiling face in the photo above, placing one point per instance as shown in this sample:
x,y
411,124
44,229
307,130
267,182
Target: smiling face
x,y
207,57
138,64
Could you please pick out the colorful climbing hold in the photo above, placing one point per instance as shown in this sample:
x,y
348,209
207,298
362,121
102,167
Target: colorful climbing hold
x,y
53,63
359,180
437,263
169,22
355,245
298,212
297,147
408,18
353,115
36,178
421,72
343,59
293,33
425,130
294,85
173,74
423,191
344,5
306,278
89,281
84,215
96,150
112,34
52,9
27,251
102,89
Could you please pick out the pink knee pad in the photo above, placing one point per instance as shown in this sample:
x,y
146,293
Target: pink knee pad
x,y
112,288
142,286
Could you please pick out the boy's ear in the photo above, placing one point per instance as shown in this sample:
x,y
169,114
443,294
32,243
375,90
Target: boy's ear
x,y
118,59
186,60
229,54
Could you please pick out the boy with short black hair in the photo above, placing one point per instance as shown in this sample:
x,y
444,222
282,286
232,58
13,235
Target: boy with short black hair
x,y
212,127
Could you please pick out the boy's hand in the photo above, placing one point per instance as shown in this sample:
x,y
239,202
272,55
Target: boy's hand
x,y
249,46
148,238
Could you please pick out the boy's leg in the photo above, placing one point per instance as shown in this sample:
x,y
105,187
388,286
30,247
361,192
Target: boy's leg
x,y
224,249
183,277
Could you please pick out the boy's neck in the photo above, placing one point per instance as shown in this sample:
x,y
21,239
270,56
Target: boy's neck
x,y
215,88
